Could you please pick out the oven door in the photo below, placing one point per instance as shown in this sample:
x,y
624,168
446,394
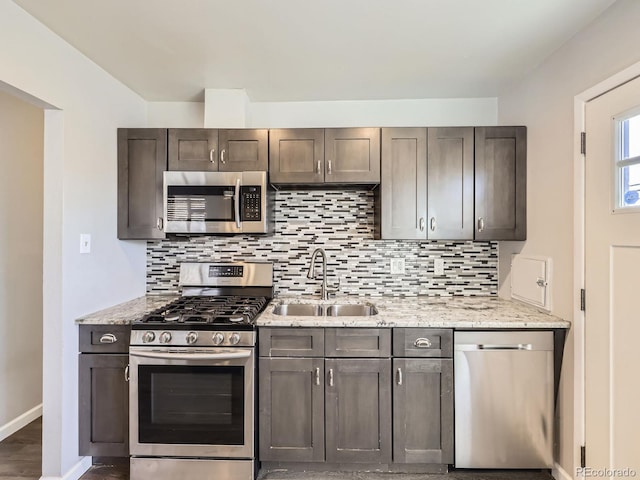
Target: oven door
x,y
192,404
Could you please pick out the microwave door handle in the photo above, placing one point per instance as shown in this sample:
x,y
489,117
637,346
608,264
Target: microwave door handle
x,y
236,202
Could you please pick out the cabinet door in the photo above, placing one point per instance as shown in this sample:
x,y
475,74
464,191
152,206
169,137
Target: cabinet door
x,y
358,410
403,184
450,183
501,181
142,159
296,155
193,149
423,411
352,155
103,405
291,416
243,150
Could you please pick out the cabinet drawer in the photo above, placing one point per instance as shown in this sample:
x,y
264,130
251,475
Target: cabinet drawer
x,y
358,342
105,338
291,342
422,342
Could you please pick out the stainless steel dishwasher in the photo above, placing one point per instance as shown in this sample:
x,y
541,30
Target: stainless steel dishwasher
x,y
503,399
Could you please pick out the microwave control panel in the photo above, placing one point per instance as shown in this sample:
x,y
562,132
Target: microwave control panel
x,y
250,203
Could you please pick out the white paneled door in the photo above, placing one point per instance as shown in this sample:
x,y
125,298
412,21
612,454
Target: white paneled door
x,y
612,316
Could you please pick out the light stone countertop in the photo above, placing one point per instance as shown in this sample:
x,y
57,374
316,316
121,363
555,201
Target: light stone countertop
x,y
437,312
127,312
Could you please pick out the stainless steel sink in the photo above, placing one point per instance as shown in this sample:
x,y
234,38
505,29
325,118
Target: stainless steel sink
x,y
351,310
307,310
298,310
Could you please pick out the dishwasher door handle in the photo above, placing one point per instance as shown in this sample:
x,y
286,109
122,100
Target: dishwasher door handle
x,y
486,346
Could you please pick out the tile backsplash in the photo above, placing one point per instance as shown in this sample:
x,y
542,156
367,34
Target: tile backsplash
x,y
341,222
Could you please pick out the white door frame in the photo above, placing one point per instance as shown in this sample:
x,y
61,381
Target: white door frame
x,y
579,260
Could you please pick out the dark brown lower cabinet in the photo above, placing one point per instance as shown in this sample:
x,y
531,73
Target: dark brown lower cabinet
x,y
423,410
104,405
358,410
291,407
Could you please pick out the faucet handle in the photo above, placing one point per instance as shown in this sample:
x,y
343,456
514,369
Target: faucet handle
x,y
331,292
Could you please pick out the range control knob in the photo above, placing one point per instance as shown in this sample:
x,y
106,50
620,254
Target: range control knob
x,y
165,337
234,338
192,337
148,337
217,338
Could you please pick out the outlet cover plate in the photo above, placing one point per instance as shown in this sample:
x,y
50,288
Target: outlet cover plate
x,y
397,266
438,266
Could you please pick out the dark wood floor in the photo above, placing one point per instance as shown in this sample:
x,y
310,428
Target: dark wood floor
x,y
21,459
21,453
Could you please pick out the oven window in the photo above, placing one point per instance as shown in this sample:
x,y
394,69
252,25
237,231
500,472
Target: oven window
x,y
191,405
200,203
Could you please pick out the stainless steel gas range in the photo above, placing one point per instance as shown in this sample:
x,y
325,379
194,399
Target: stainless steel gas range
x,y
192,375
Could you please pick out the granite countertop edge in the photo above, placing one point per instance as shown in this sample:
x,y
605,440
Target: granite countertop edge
x,y
434,312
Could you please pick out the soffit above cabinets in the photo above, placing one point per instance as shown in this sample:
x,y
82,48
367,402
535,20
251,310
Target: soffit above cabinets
x,y
288,50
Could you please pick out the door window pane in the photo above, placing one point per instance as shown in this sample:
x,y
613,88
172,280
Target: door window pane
x,y
628,162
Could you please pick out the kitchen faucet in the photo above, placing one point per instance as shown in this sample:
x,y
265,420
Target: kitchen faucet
x,y
326,291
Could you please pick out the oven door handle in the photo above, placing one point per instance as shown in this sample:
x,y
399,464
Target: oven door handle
x,y
227,355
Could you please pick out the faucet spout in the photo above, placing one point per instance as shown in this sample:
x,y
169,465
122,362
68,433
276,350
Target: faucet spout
x,y
311,273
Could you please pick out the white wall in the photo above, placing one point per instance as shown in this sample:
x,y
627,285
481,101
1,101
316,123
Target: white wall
x,y
21,199
80,197
175,114
544,102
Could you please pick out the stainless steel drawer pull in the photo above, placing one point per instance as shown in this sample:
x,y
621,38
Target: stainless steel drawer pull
x,y
212,152
432,224
222,160
421,224
331,377
422,343
159,223
520,346
480,224
399,376
329,168
319,168
126,373
108,338
317,376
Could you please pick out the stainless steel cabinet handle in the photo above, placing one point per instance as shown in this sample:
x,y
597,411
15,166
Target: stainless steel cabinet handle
x,y
480,224
159,223
399,376
319,167
222,160
422,343
421,224
317,376
212,152
331,377
329,167
432,224
126,373
108,338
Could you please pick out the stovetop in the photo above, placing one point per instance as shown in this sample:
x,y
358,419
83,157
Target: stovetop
x,y
227,312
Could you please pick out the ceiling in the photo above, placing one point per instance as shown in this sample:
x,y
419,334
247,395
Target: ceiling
x,y
294,50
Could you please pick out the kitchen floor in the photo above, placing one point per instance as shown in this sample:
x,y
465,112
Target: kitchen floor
x,y
21,459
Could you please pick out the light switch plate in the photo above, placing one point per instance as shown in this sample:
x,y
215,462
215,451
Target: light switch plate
x,y
397,266
438,266
85,243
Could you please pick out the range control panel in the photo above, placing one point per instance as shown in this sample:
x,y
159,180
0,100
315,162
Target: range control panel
x,y
250,203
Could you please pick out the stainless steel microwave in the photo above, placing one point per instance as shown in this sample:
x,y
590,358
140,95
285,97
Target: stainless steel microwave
x,y
217,203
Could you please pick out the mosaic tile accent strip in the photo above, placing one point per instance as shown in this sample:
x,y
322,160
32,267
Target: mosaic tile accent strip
x,y
341,222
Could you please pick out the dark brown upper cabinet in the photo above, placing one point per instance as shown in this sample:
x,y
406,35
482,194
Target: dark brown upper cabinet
x,y
402,196
205,149
501,183
142,159
296,155
450,183
330,156
193,149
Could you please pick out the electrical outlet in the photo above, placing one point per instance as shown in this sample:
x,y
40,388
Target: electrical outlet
x,y
397,266
85,243
438,266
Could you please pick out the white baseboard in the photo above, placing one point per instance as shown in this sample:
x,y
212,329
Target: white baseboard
x,y
23,420
560,473
75,472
